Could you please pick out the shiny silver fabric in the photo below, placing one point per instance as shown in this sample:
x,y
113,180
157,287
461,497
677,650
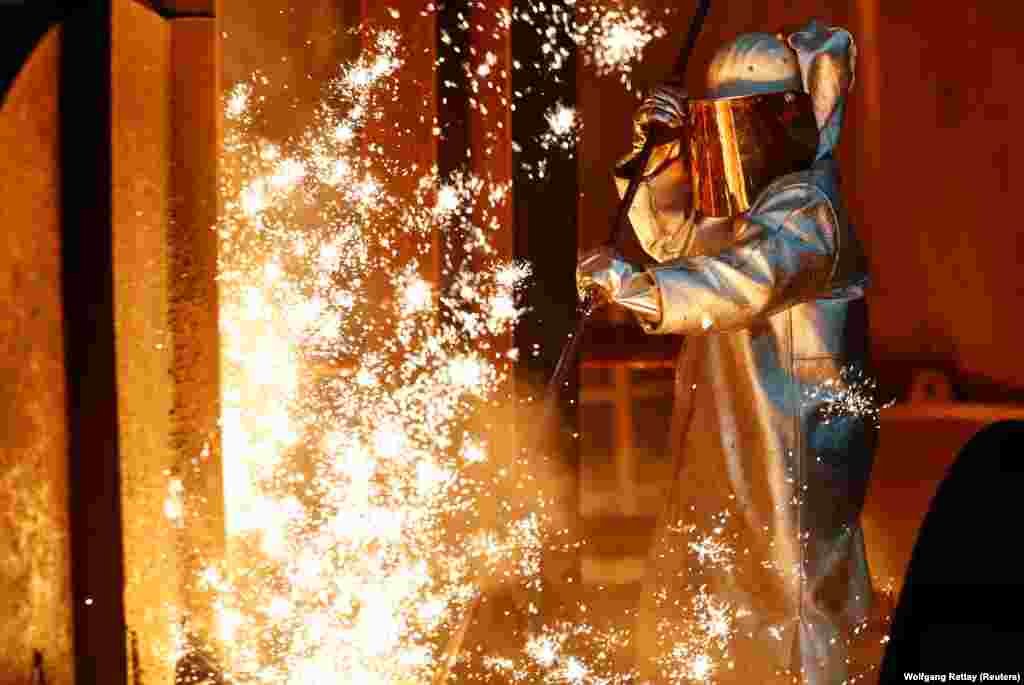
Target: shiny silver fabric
x,y
662,213
642,298
664,108
616,280
771,304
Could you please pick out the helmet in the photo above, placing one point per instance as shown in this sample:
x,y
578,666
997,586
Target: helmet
x,y
752,64
755,124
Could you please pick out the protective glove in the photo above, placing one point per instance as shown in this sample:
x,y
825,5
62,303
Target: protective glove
x,y
604,274
602,270
662,115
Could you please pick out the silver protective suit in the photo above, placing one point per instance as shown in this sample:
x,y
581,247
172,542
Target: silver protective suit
x,y
762,528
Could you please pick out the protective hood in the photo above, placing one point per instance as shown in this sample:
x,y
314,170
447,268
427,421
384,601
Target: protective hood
x,y
827,58
817,60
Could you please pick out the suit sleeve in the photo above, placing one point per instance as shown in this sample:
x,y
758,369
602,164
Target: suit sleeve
x,y
785,252
661,214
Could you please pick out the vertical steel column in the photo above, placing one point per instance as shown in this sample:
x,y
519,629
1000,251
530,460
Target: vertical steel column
x,y
193,297
140,110
97,554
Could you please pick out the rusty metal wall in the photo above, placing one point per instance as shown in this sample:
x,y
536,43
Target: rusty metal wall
x,y
35,591
109,385
942,234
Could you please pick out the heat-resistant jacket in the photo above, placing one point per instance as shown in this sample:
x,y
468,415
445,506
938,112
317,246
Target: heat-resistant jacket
x,y
762,528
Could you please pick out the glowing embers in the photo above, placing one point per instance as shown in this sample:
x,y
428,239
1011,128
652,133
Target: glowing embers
x,y
613,38
350,377
695,625
563,129
573,652
851,395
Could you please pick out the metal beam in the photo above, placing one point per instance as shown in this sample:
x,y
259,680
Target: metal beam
x,y
97,552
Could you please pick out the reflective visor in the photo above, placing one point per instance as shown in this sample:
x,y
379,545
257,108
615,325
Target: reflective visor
x,y
739,145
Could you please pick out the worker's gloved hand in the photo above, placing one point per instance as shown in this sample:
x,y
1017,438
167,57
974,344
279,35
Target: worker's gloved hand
x,y
603,272
610,278
661,115
664,108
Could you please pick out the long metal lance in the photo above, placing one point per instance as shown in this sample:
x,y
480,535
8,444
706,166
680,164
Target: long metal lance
x,y
590,304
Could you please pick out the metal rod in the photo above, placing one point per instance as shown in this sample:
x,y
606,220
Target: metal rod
x,y
696,24
565,364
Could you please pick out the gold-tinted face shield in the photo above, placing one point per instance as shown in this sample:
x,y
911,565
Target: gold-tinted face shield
x,y
738,145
